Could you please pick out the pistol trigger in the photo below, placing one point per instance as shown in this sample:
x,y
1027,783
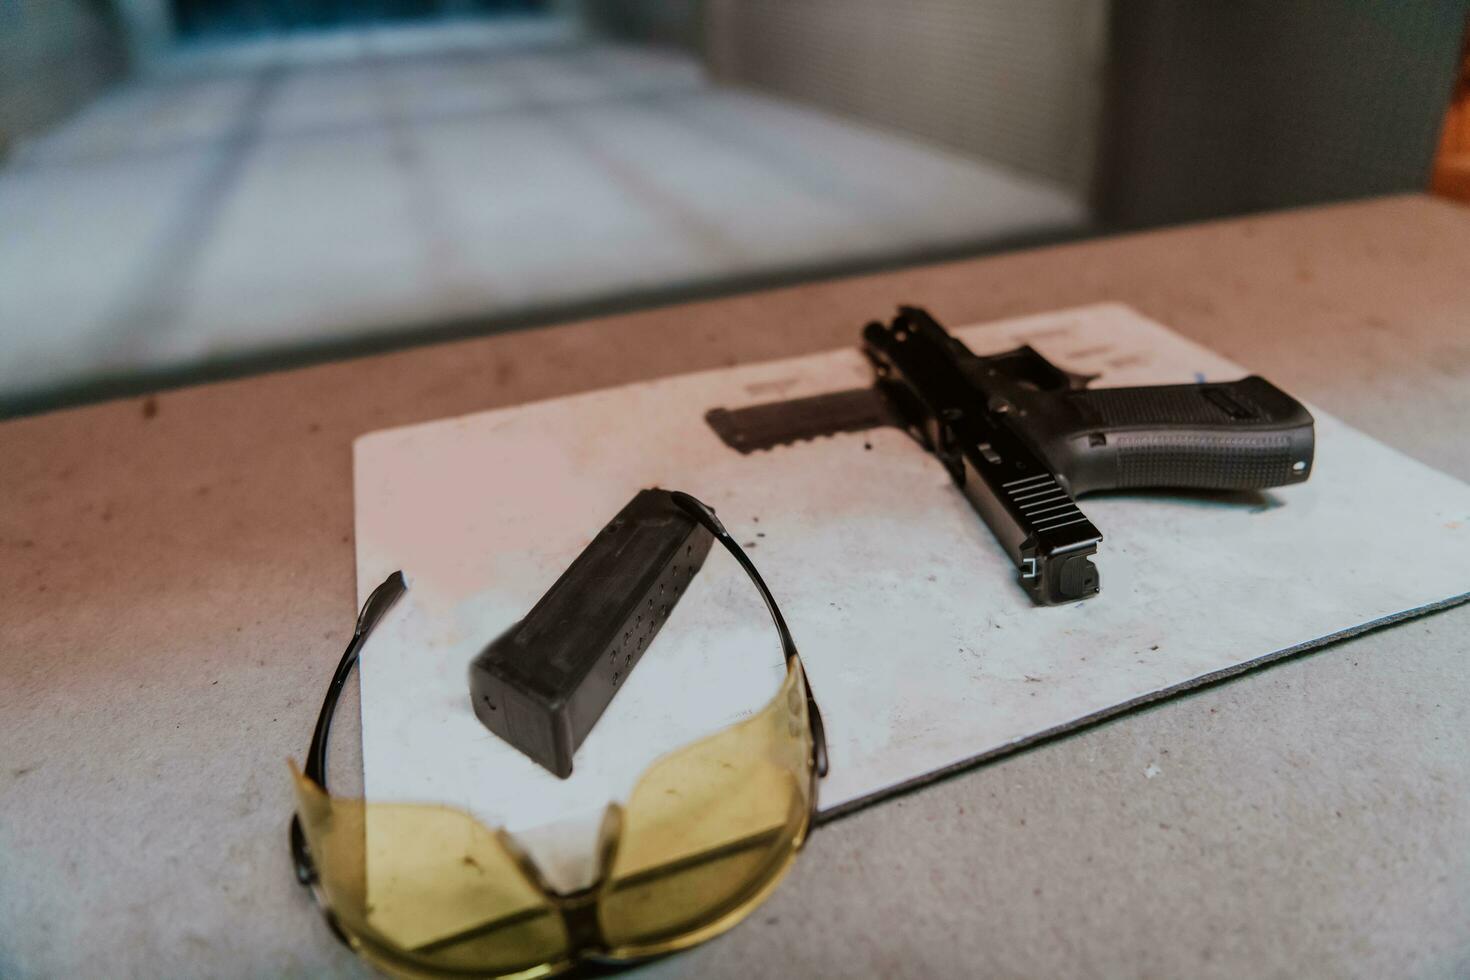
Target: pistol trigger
x,y
947,454
1077,382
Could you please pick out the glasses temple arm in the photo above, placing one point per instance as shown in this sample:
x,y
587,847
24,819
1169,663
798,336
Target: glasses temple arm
x,y
702,513
377,605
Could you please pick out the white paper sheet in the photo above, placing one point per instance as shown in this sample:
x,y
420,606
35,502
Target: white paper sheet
x,y
922,650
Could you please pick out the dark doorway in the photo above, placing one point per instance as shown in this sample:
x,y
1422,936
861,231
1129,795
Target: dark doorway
x,y
193,18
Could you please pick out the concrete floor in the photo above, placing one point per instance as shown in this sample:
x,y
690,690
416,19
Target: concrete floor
x,y
280,195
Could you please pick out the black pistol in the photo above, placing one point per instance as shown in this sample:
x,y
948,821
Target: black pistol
x,y
1022,438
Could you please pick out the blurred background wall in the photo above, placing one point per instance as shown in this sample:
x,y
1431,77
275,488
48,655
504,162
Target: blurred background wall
x,y
1019,83
54,56
1224,108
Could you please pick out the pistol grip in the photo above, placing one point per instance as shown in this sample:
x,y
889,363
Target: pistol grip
x,y
1241,435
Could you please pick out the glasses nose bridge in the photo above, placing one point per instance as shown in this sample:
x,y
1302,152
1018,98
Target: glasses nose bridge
x,y
609,839
579,909
579,918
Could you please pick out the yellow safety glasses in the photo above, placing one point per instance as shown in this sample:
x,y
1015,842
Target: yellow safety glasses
x,y
708,832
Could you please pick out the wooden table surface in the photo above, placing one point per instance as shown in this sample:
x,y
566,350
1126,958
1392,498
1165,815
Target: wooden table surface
x,y
177,576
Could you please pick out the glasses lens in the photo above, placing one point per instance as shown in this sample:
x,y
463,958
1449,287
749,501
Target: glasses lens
x,y
710,830
426,889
